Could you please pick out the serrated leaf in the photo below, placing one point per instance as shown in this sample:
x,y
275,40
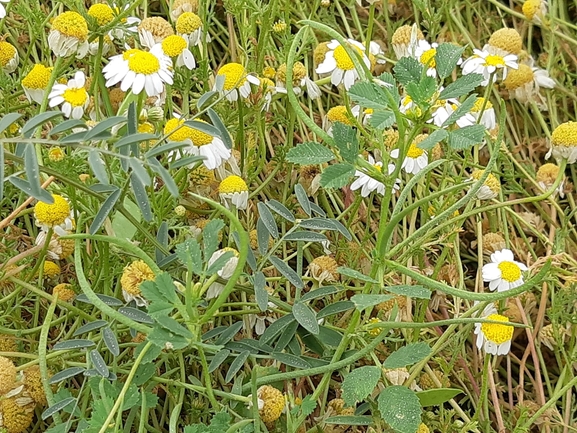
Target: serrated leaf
x,y
422,90
308,405
280,209
236,365
65,374
408,70
143,374
98,363
305,236
73,344
407,355
350,420
467,137
348,272
303,198
105,209
309,153
188,252
345,138
461,110
337,176
173,326
267,219
38,120
446,57
291,360
306,317
219,263
417,292
287,272
210,236
359,383
136,315
435,397
89,327
434,138
382,119
163,338
365,301
337,307
260,292
400,408
218,359
461,86
369,95
57,407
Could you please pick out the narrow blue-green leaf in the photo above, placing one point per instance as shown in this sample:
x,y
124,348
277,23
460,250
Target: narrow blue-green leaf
x,y
417,292
317,210
287,272
38,120
136,315
89,327
98,167
275,328
305,236
106,208
162,238
134,139
260,292
268,219
303,198
348,272
363,301
73,344
186,161
400,408
1,172
337,307
108,300
205,98
65,374
359,383
229,333
32,170
98,363
219,263
140,171
342,229
165,148
218,359
236,365
24,185
141,196
350,420
262,236
132,123
169,182
207,128
318,224
321,292
104,126
110,341
57,407
306,317
291,360
309,153
66,125
8,120
407,355
224,134
277,207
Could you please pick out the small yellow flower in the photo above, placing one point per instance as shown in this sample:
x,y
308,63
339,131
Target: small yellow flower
x,y
102,13
374,331
269,72
133,275
279,27
8,57
36,82
8,344
423,428
564,142
271,403
56,154
233,191
535,10
51,269
32,380
180,211
64,292
490,188
339,114
236,81
507,39
16,418
324,268
69,35
8,375
54,214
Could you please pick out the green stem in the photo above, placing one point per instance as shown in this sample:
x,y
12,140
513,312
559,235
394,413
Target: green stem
x,y
42,349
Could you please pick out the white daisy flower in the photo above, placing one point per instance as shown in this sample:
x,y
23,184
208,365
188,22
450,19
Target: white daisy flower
x,y
139,70
236,82
339,65
524,84
73,96
233,191
443,110
503,273
340,114
425,53
415,160
300,80
225,273
367,184
176,46
487,116
9,57
69,35
189,26
485,63
494,338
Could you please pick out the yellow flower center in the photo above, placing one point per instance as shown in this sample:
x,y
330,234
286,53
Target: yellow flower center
x,y
299,71
378,166
71,24
146,128
37,78
496,333
143,62
339,114
518,77
173,45
76,97
414,151
510,271
343,60
530,8
176,131
158,27
232,250
134,275
507,39
51,269
200,138
479,105
494,60
491,181
428,58
188,23
52,214
234,75
232,184
402,35
269,72
274,403
565,135
102,13
7,52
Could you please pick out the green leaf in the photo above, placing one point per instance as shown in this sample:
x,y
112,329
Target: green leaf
x,y
350,420
260,292
408,70
105,209
434,138
369,95
337,307
277,207
303,198
136,315
400,408
461,110
228,333
345,138
305,236
163,338
2,168
337,176
275,328
73,344
219,263
210,236
65,374
173,326
407,355
359,383
418,292
268,219
89,327
308,405
110,341
223,130
262,236
8,120
382,119
134,139
306,317
98,167
25,186
348,272
121,226
435,397
422,91
467,137
104,126
287,272
309,153
98,363
462,86
446,58
57,407
291,360
236,365
141,196
32,170
189,254
66,125
318,224
321,292
218,359
365,301
30,126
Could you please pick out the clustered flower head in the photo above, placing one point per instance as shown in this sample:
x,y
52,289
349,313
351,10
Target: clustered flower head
x,y
324,268
233,82
564,142
9,57
491,186
56,216
494,338
133,275
72,96
69,35
233,191
271,403
503,273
